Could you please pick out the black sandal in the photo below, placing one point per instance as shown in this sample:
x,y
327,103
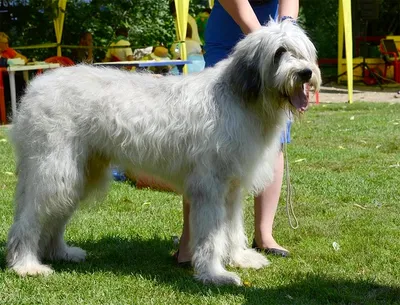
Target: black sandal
x,y
273,251
184,265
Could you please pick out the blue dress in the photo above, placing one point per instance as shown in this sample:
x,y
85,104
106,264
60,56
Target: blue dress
x,y
222,34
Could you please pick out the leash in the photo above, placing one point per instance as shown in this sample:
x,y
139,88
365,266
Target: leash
x,y
293,221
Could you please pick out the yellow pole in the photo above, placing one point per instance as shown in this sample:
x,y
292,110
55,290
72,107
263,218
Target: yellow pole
x,y
348,36
59,24
182,11
56,27
340,40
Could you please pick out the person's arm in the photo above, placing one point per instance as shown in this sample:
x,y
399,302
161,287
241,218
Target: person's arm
x,y
129,54
243,14
107,58
19,55
128,50
89,58
288,8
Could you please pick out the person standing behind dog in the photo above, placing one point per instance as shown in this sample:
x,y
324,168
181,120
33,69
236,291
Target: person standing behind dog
x,y
120,47
85,54
228,22
6,51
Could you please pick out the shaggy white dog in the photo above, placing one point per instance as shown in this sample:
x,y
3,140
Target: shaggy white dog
x,y
211,135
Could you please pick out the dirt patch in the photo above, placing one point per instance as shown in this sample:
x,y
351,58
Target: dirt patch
x,y
340,95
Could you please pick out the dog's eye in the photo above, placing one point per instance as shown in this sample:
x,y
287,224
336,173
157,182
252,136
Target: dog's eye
x,y
278,54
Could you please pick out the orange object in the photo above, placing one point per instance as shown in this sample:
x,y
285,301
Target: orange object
x,y
62,60
308,94
8,53
153,183
145,181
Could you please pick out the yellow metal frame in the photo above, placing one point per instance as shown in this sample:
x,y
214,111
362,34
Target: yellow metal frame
x,y
182,11
59,24
345,35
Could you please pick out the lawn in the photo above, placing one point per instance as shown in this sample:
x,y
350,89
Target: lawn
x,y
345,168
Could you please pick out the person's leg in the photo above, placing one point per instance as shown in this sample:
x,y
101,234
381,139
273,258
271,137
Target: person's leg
x,y
265,206
183,254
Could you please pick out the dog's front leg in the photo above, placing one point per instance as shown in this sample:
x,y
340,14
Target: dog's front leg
x,y
239,254
208,230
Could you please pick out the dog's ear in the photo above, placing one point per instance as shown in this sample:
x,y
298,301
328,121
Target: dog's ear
x,y
278,54
245,77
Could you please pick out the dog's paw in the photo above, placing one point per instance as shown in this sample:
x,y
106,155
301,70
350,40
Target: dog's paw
x,y
249,258
221,278
33,269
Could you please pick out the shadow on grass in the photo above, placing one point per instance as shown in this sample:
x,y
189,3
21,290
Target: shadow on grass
x,y
151,259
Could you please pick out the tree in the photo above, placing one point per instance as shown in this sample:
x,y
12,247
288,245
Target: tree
x,y
150,23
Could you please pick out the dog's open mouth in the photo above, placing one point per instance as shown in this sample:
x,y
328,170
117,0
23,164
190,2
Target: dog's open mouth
x,y
299,99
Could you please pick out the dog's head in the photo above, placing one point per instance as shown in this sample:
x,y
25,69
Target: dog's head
x,y
274,63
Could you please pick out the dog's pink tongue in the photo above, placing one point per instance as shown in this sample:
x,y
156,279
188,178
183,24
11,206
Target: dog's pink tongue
x,y
299,99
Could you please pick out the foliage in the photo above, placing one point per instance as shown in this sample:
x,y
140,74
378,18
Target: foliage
x,y
344,165
31,25
150,22
321,23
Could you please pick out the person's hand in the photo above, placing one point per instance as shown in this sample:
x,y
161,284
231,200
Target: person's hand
x,y
22,57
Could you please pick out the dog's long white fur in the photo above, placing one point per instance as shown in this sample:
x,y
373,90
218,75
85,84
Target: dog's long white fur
x,y
212,135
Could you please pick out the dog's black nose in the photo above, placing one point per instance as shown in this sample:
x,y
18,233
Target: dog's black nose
x,y
305,75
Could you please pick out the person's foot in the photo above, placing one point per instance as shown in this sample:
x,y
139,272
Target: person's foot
x,y
183,256
181,263
270,246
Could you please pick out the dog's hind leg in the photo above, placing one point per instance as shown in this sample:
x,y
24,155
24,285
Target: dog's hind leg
x,y
96,178
23,238
239,254
53,245
49,189
208,224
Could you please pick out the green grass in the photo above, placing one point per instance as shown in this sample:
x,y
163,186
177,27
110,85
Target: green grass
x,y
345,169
